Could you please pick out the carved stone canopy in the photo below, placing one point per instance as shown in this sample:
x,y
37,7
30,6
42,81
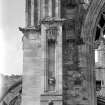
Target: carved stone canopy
x,y
52,33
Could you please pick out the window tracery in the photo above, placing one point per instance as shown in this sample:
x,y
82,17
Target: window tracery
x,y
100,30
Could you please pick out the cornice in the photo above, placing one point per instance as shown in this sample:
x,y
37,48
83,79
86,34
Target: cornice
x,y
52,20
30,29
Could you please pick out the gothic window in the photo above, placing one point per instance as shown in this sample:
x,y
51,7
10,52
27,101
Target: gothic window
x,y
99,51
100,34
100,29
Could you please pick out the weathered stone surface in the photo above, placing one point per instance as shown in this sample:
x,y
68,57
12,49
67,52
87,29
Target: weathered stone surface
x,y
74,64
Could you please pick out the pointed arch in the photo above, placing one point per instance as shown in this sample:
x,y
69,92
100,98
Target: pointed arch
x,y
91,19
88,34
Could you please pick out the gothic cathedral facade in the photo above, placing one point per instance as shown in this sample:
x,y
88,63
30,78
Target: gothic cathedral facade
x,y
58,51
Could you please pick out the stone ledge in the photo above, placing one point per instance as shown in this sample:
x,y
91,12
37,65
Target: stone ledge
x,y
46,98
30,29
50,20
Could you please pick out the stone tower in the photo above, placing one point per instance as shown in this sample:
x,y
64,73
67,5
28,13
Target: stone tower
x,y
55,66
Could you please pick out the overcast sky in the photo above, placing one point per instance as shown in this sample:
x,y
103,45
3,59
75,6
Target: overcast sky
x,y
12,16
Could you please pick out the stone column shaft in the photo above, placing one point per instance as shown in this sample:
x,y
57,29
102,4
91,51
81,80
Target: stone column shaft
x,y
28,12
57,10
43,8
50,8
39,11
32,12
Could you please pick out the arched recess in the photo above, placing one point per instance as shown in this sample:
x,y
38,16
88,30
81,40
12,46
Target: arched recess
x,y
88,35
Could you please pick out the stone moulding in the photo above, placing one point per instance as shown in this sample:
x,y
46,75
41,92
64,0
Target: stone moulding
x,y
30,29
52,20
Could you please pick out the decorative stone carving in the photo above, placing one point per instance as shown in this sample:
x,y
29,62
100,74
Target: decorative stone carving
x,y
30,29
77,77
69,30
52,33
52,20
